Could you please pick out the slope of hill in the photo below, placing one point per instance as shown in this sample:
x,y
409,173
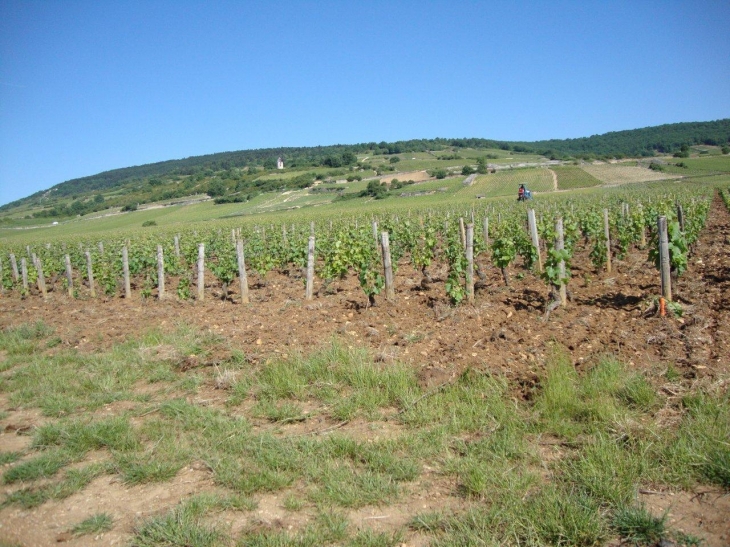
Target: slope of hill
x,y
240,176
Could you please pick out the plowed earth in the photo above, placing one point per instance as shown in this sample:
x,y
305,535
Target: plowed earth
x,y
503,331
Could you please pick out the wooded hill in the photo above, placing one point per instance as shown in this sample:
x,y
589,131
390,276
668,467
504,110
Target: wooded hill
x,y
245,172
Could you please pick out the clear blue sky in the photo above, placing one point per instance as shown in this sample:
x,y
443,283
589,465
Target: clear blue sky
x,y
87,86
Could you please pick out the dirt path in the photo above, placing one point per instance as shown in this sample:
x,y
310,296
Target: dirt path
x,y
555,180
705,292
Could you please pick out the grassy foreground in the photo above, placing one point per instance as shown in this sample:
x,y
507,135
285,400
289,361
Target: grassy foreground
x,y
563,467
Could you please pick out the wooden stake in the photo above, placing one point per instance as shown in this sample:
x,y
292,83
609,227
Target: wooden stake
x,y
41,277
560,245
177,246
160,273
470,263
101,247
69,276
375,233
532,223
242,271
643,228
201,270
24,269
14,266
486,231
125,267
310,269
607,236
462,232
664,263
90,274
387,267
680,217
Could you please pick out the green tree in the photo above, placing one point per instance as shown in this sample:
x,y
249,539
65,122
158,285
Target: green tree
x,y
375,189
482,168
394,159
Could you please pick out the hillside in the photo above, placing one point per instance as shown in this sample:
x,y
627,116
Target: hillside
x,y
241,176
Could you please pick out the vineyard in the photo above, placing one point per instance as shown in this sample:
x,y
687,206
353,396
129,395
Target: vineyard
x,y
414,389
422,240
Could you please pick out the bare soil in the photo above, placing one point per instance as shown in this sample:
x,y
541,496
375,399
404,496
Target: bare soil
x,y
503,331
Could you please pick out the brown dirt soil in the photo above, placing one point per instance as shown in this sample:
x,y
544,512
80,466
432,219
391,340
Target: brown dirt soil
x,y
502,331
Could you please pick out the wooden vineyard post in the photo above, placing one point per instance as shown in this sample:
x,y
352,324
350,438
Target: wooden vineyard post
x,y
101,247
680,217
560,245
535,239
233,236
177,246
388,268
642,235
664,265
160,273
201,270
90,274
242,271
462,232
310,269
41,278
375,233
311,227
14,266
125,267
470,263
24,270
69,276
283,234
486,231
607,235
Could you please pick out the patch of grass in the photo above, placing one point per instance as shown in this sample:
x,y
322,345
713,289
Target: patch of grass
x,y
25,338
282,412
609,471
328,528
475,402
293,503
42,466
80,436
345,486
182,526
100,522
368,538
9,457
700,450
143,468
570,405
637,525
74,481
347,379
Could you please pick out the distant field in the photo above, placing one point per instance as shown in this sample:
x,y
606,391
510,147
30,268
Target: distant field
x,y
571,176
611,173
711,163
506,183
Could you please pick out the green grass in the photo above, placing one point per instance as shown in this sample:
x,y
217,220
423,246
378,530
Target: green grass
x,y
95,524
570,177
506,182
469,433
